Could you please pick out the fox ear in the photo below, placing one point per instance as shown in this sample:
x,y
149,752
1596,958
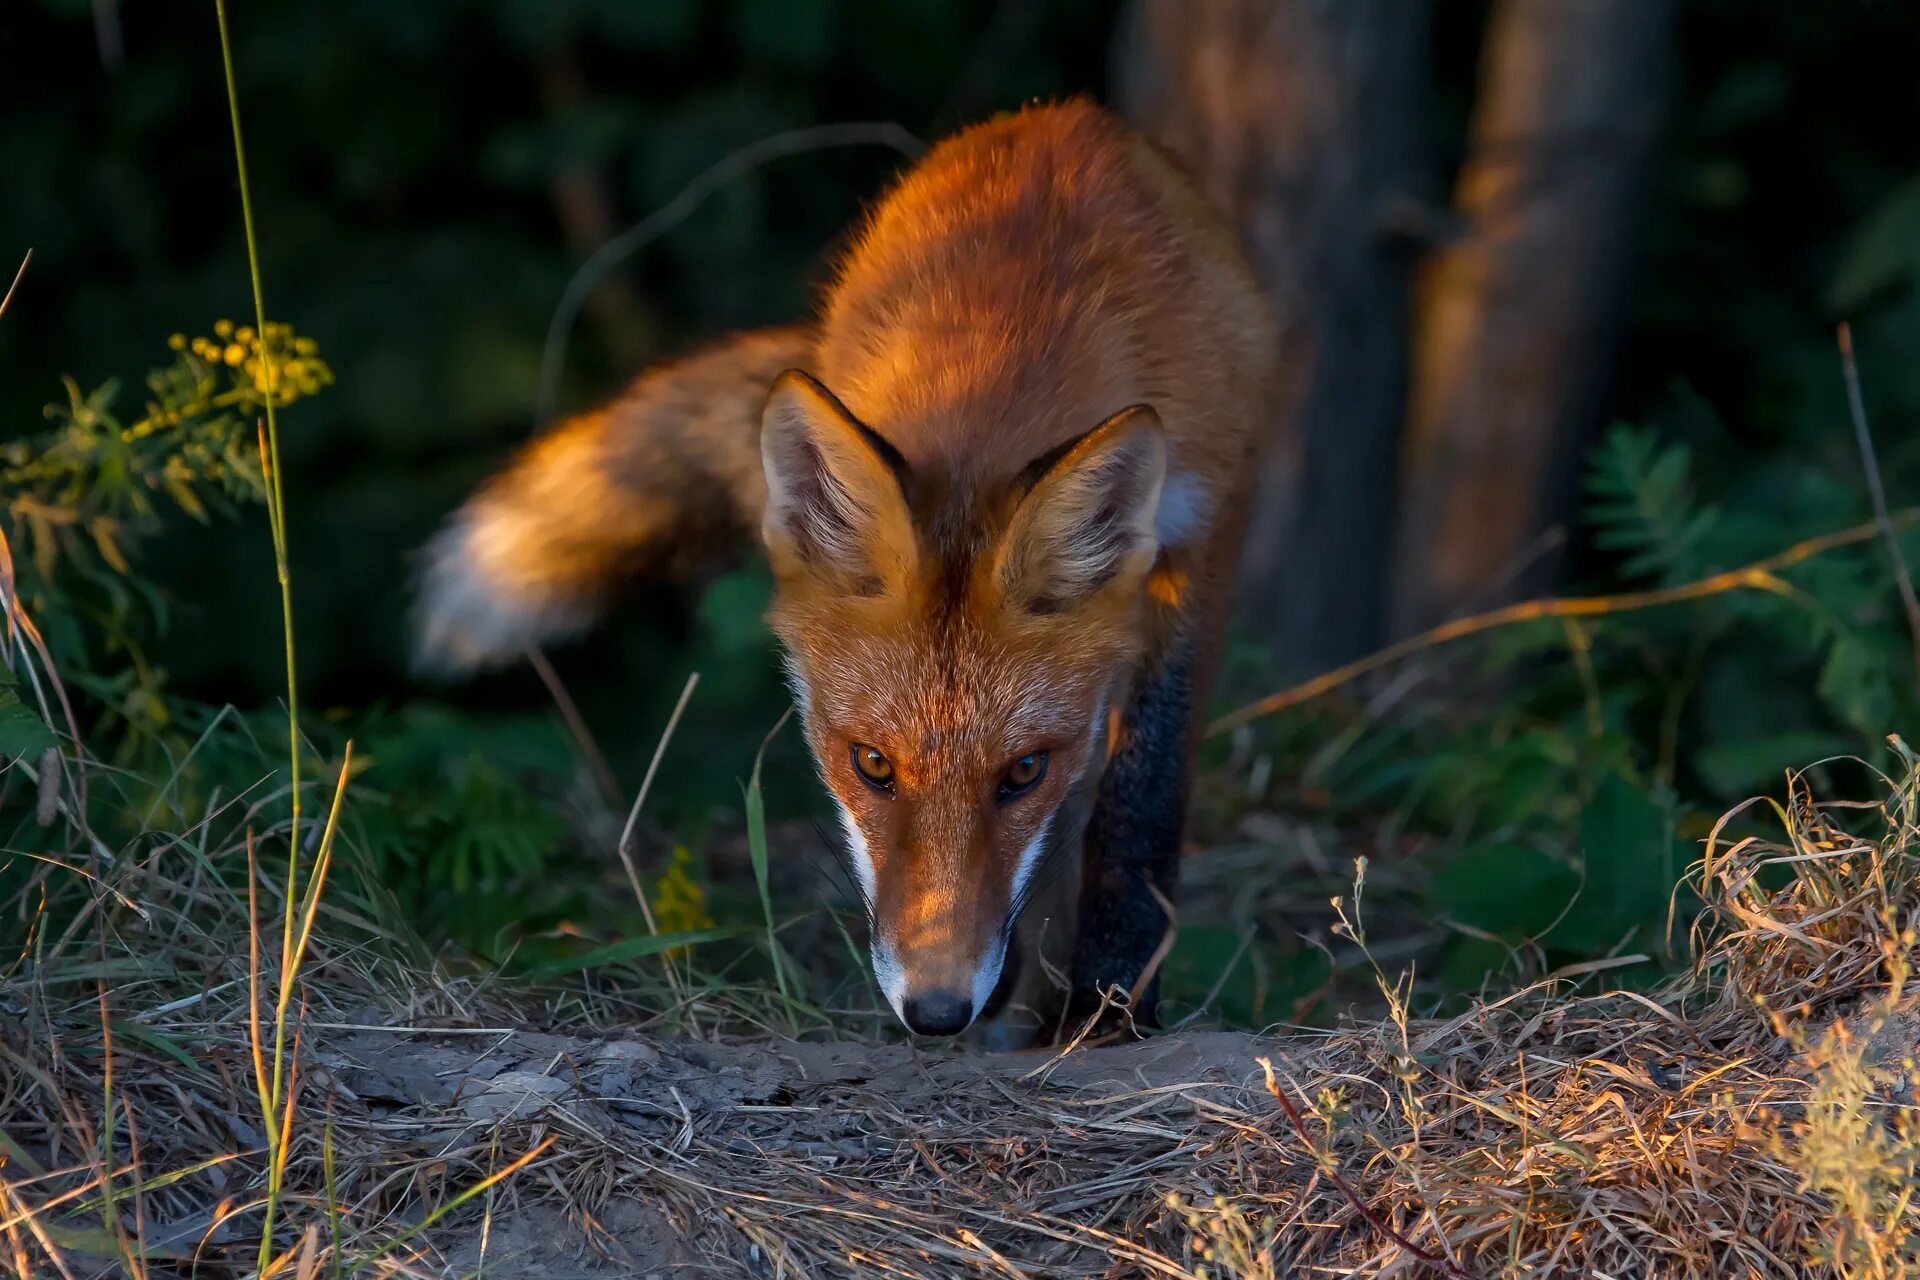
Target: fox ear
x,y
836,501
1088,518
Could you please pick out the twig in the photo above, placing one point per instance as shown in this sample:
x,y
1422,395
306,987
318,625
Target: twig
x,y
577,725
1760,575
107,34
16,282
1857,406
734,165
1160,952
1444,1264
639,801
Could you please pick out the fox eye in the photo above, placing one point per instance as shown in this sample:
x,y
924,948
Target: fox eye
x,y
874,769
1023,775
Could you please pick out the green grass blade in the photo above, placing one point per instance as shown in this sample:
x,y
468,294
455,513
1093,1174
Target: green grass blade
x,y
757,851
154,1040
631,949
164,1180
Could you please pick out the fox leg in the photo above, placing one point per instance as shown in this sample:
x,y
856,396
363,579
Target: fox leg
x,y
1131,851
1130,856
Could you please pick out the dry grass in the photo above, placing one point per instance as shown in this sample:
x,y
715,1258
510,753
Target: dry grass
x,y
1752,1117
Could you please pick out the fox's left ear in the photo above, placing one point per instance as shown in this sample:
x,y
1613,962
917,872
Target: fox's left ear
x,y
836,499
1087,520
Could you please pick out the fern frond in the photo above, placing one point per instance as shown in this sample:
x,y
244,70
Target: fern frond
x,y
1642,504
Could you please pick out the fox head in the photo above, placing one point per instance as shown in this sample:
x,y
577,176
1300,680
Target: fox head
x,y
953,654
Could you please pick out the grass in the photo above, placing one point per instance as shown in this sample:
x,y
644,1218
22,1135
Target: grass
x,y
1749,1116
757,852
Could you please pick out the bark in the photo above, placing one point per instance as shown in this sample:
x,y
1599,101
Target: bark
x,y
1518,318
1301,119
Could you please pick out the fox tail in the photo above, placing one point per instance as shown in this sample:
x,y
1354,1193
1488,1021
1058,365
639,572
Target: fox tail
x,y
655,482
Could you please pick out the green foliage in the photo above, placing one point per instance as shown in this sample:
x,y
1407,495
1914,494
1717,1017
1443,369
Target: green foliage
x,y
1630,865
1642,505
1251,984
631,949
482,833
23,734
456,818
84,497
1883,256
1512,891
95,481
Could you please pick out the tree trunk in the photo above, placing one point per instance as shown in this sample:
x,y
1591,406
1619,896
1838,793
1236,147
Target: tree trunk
x,y
1301,119
1517,319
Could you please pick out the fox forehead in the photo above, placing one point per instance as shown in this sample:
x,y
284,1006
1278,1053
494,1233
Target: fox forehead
x,y
944,695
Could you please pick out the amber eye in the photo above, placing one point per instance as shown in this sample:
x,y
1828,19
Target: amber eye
x,y
1023,774
875,769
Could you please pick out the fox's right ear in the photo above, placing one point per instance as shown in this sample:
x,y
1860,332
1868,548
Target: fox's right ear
x,y
836,498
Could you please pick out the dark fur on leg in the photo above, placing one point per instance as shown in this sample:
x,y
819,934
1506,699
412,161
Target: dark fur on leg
x,y
1133,846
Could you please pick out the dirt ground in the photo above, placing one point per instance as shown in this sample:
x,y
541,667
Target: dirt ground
x,y
825,1109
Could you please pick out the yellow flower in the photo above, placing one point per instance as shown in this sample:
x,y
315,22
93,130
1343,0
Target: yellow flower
x,y
243,334
223,328
234,354
178,342
679,901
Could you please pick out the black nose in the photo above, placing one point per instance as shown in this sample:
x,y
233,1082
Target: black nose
x,y
936,1013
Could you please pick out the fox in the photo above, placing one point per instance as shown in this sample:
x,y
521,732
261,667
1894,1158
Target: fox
x,y
1000,480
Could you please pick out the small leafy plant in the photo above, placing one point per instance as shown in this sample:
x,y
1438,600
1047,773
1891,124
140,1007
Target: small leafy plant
x,y
84,494
96,483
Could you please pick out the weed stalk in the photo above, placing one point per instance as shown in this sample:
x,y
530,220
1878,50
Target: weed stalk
x,y
277,1090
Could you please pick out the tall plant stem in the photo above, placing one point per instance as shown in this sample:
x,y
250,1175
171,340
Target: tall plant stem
x,y
279,1093
270,374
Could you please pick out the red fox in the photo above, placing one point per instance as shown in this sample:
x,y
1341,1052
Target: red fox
x,y
1001,483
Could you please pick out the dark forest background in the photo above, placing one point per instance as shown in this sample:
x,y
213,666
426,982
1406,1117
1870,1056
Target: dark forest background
x,y
1496,230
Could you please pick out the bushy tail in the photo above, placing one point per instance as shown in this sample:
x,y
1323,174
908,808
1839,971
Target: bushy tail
x,y
650,483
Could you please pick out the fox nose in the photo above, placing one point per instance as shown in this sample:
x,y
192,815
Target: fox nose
x,y
936,1013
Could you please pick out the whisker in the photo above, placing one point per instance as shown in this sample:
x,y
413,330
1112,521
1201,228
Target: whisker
x,y
1051,860
835,866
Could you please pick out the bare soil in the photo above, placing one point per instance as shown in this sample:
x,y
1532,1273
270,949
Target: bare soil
x,y
814,1112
